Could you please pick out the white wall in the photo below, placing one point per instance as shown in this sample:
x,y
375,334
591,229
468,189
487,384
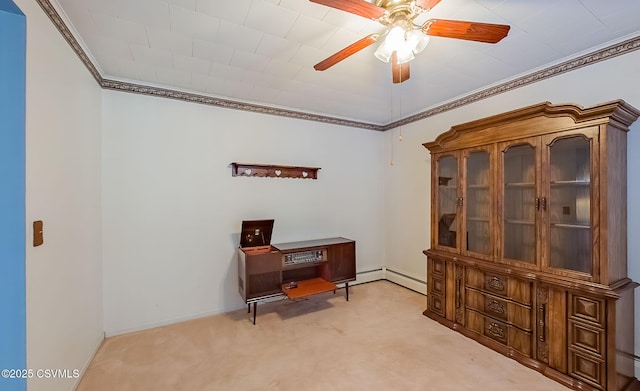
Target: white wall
x,y
409,189
172,211
63,182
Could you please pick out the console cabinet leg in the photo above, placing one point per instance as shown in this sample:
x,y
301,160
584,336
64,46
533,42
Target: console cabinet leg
x,y
255,307
346,287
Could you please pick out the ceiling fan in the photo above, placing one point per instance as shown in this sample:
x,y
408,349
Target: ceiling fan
x,y
404,38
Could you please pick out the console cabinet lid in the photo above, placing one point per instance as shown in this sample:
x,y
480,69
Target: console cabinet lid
x,y
256,233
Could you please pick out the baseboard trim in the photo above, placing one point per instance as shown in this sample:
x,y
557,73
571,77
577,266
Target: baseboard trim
x,y
361,278
76,383
167,322
406,281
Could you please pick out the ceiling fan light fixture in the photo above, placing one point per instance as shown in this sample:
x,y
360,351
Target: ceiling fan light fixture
x,y
383,52
395,41
417,40
405,54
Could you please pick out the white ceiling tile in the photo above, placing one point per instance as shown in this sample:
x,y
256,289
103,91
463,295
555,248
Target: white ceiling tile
x,y
522,51
137,71
264,50
199,82
306,8
103,7
171,42
194,24
222,71
212,51
215,86
237,36
151,13
258,78
282,68
349,21
268,18
233,11
171,77
191,64
249,61
119,29
311,32
151,56
277,48
236,89
186,4
110,65
262,94
109,47
307,56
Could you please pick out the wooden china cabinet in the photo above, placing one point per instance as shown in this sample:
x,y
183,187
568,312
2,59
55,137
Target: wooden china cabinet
x,y
529,240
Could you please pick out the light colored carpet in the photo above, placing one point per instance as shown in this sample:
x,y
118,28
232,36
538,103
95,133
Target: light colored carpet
x,y
379,340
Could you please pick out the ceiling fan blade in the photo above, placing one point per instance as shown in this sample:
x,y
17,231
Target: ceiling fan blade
x,y
399,72
346,52
472,31
358,7
427,4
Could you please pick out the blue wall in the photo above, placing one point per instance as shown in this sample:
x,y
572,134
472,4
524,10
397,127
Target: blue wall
x,y
13,343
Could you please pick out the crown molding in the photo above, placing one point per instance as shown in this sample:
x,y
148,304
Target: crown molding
x,y
603,54
596,56
230,104
62,27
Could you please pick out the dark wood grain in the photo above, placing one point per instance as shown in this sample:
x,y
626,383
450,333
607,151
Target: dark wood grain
x,y
575,326
308,287
427,4
399,72
357,7
471,31
346,52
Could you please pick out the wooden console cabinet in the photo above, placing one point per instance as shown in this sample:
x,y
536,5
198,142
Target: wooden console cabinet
x,y
529,240
294,270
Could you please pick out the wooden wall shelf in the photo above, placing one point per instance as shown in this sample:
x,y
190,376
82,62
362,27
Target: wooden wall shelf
x,y
273,171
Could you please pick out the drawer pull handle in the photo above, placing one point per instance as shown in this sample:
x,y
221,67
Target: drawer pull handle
x,y
496,284
542,310
496,306
496,330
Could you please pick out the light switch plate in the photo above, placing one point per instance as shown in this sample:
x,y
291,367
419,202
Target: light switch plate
x,y
38,237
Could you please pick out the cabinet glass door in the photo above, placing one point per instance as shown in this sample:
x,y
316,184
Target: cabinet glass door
x,y
569,205
447,201
519,203
477,203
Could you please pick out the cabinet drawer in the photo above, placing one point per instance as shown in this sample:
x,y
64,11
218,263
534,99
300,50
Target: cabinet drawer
x,y
515,338
586,308
496,330
587,368
508,311
589,338
499,285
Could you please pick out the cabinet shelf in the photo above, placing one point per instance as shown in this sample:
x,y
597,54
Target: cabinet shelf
x,y
571,183
570,226
519,184
478,187
520,222
478,219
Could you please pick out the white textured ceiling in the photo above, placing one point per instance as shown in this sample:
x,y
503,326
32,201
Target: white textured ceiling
x,y
263,51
